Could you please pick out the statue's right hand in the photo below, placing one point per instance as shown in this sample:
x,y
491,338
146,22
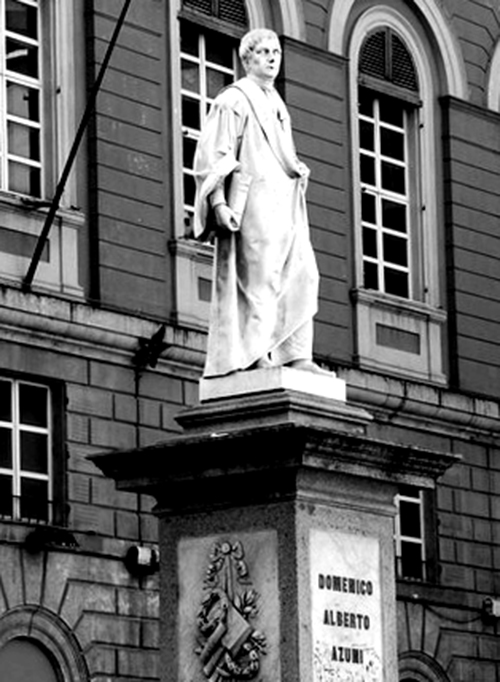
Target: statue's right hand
x,y
225,218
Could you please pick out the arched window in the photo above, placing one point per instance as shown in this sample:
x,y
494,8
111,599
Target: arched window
x,y
398,291
37,646
23,661
416,666
387,132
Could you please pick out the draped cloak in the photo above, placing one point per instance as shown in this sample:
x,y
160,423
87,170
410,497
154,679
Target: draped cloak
x,y
265,276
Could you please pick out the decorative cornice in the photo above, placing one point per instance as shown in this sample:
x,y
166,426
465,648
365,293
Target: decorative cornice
x,y
263,463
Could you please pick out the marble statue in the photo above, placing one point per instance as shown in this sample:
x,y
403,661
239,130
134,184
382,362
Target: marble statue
x,y
251,193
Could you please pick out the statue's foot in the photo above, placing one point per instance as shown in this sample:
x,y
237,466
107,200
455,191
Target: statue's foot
x,y
309,366
262,363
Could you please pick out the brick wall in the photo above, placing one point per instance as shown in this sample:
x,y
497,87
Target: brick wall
x,y
315,92
128,229
86,589
472,171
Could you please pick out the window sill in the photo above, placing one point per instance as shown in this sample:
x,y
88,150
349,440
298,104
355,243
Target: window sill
x,y
399,337
20,225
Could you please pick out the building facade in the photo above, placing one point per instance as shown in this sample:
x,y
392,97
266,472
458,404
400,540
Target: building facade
x,y
396,109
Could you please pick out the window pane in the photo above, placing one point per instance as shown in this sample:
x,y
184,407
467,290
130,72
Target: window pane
x,y
34,499
191,113
189,189
367,169
369,242
366,135
21,58
24,141
396,282
5,401
409,517
365,103
34,452
393,178
188,148
5,495
190,76
5,448
395,250
411,560
394,215
219,50
21,19
189,40
24,179
33,405
370,275
391,112
392,144
368,208
22,101
216,80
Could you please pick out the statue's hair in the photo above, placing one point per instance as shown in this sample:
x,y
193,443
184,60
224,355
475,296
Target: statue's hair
x,y
250,41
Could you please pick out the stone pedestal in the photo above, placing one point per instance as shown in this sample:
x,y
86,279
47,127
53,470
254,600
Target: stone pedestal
x,y
276,530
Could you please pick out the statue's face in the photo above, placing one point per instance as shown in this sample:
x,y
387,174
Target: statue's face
x,y
265,60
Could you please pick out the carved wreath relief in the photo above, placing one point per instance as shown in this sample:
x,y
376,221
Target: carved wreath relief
x,y
229,647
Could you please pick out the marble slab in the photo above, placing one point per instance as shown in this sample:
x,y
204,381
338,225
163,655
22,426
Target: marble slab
x,y
346,607
261,380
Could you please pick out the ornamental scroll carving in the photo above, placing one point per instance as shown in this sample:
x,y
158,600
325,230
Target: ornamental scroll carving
x,y
229,647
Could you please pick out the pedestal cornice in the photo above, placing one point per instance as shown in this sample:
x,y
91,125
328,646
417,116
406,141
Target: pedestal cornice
x,y
264,461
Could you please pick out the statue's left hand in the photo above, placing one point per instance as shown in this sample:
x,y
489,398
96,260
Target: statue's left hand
x,y
303,170
225,218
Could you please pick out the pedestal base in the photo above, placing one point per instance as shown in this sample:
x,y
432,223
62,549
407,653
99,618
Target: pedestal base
x,y
276,529
274,379
271,396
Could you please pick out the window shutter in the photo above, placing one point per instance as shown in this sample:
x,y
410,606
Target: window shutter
x,y
384,56
232,11
403,70
202,6
372,60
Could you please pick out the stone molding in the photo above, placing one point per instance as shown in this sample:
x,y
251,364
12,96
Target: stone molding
x,y
261,460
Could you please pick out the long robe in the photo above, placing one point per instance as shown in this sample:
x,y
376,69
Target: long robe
x,y
266,280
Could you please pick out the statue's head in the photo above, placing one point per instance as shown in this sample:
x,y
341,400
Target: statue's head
x,y
251,45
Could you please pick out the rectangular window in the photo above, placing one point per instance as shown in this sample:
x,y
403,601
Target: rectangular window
x,y
409,534
21,97
41,69
26,451
385,194
209,62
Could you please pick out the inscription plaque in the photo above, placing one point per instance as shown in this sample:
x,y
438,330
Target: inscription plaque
x,y
346,607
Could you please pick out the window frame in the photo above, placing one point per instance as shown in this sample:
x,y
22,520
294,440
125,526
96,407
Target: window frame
x,y
414,344
192,260
57,509
203,63
17,78
381,194
23,215
424,498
